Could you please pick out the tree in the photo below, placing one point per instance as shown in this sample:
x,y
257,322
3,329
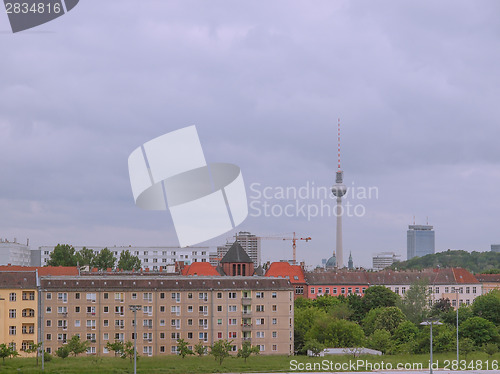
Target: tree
x,y
488,306
441,306
357,306
336,333
466,346
128,351
380,340
128,262
490,349
383,318
220,350
63,351
326,302
305,319
405,333
62,255
76,346
340,311
414,303
116,347
34,348
182,348
105,259
302,302
200,349
479,330
314,346
450,317
379,296
5,351
246,350
85,257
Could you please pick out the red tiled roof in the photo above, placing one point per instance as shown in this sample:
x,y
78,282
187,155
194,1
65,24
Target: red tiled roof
x,y
334,278
43,270
494,278
200,268
18,279
285,270
464,276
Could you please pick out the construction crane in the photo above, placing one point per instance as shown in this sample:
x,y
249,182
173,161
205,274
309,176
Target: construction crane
x,y
294,243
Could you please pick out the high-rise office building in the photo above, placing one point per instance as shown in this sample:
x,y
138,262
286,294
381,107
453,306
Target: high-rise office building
x,y
420,241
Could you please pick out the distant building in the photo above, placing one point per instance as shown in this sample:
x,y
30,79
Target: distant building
x,y
420,241
250,243
350,263
490,282
383,260
14,253
331,263
294,273
495,248
152,258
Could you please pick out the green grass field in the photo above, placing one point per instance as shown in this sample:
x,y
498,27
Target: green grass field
x,y
207,364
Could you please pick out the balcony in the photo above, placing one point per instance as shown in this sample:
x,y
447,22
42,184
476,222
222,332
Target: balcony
x,y
246,339
246,301
247,313
246,326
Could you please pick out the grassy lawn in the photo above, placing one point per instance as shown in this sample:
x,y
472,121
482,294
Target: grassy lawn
x,y
175,364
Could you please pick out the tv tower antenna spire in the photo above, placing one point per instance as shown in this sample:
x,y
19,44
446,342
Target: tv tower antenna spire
x,y
339,190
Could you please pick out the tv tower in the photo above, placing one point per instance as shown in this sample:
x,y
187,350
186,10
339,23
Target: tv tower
x,y
339,189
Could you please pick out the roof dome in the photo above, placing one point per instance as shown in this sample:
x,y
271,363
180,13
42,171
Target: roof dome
x,y
332,262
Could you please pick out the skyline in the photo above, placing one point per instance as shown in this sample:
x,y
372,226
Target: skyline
x,y
415,85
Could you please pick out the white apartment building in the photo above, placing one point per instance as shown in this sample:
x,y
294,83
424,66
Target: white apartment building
x,y
14,253
152,258
383,260
250,243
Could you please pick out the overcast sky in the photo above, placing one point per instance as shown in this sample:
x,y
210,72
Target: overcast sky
x,y
416,85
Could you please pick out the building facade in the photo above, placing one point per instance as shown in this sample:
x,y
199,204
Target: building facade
x,y
335,283
384,259
448,283
420,241
196,309
14,253
152,258
18,309
489,282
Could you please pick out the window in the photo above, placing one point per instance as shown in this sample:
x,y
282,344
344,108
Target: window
x,y
467,289
260,334
473,289
403,290
231,321
91,297
162,335
357,289
349,289
49,336
203,296
77,309
232,334
334,290
176,296
275,334
162,308
219,321
28,312
259,308
91,309
49,323
134,296
203,336
274,295
147,336
148,296
190,335
396,290
327,290
312,290
342,290
119,296
190,322
446,289
275,347
162,322
48,310
48,296
259,295
12,296
232,308
275,321
219,295
259,321
320,290
190,295
12,330
12,313
219,308
262,347
77,323
28,295
62,309
232,295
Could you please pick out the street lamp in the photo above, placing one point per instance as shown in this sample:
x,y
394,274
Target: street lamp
x,y
135,308
456,291
427,323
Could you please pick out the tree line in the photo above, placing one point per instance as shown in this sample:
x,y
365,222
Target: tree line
x,y
475,262
66,255
384,321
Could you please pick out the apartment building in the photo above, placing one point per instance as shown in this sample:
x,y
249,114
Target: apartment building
x,y
18,306
152,258
196,309
448,283
336,283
